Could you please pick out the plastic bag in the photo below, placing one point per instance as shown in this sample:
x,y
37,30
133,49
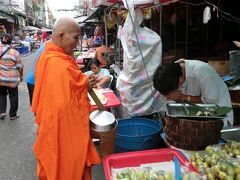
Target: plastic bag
x,y
135,81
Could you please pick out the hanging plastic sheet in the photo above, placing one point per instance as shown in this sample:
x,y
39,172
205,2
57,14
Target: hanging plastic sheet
x,y
142,54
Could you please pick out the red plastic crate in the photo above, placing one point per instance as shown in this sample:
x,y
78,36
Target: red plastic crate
x,y
132,159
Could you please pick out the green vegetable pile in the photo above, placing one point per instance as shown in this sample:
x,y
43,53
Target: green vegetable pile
x,y
233,82
149,174
219,161
76,54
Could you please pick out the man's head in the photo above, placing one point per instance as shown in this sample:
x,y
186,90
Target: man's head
x,y
6,39
166,78
66,34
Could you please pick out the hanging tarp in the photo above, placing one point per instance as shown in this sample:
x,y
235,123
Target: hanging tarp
x,y
101,2
136,2
6,17
44,29
29,28
83,19
96,14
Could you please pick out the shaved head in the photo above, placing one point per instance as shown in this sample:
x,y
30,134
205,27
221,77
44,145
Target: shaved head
x,y
66,32
64,24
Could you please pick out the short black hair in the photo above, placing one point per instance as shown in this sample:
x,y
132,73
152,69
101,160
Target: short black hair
x,y
94,61
166,77
6,39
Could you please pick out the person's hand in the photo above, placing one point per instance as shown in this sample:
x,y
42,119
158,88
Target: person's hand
x,y
98,86
176,96
92,81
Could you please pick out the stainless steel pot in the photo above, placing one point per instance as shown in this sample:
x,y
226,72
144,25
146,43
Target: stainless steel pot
x,y
102,121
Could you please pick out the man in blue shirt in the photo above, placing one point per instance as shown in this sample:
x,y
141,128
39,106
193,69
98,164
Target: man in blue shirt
x,y
30,77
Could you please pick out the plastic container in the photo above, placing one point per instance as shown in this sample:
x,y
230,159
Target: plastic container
x,y
19,49
137,134
24,50
234,62
132,159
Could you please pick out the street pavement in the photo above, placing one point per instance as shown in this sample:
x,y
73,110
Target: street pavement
x,y
17,161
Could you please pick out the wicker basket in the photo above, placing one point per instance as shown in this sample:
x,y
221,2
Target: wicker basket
x,y
192,134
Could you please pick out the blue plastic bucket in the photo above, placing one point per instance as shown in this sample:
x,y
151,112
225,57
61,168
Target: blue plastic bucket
x,y
19,49
24,50
137,134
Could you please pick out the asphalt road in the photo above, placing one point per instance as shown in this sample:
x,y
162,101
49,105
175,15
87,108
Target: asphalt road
x,y
17,161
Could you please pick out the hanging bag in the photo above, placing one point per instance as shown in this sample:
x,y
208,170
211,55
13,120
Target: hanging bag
x,y
135,81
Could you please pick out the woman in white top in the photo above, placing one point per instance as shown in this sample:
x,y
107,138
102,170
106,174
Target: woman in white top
x,y
193,81
102,73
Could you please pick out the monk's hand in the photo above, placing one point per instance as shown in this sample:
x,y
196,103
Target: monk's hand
x,y
176,96
92,81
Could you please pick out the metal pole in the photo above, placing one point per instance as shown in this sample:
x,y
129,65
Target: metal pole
x,y
160,20
186,31
118,48
175,35
106,36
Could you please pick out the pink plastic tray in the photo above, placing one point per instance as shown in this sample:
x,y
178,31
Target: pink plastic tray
x,y
131,159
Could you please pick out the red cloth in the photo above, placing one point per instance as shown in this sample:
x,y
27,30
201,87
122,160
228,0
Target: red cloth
x,y
44,36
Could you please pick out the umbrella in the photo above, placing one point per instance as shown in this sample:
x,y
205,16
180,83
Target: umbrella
x,y
30,28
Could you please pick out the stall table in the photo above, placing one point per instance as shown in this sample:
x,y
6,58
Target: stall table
x,y
112,99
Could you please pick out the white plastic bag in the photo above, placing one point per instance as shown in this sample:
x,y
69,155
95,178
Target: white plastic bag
x,y
135,80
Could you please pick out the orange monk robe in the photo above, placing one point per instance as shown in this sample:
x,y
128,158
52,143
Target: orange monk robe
x,y
63,146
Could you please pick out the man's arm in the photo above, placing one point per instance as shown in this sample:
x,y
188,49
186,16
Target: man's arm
x,y
19,66
179,96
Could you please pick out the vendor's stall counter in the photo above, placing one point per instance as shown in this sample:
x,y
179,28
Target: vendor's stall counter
x,y
112,99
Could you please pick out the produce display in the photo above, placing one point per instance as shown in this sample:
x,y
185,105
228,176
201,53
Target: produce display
x,y
76,54
194,110
219,161
149,174
155,171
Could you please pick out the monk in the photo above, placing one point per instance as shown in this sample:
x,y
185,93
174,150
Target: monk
x,y
63,147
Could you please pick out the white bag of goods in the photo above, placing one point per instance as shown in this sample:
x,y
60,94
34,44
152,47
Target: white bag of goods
x,y
135,81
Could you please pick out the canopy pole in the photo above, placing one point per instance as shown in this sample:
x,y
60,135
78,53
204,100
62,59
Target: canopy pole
x,y
106,31
186,32
117,54
160,19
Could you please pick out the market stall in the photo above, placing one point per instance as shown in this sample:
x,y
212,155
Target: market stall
x,y
185,132
199,138
218,161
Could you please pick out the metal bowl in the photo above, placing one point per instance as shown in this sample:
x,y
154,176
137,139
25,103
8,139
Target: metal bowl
x,y
102,121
